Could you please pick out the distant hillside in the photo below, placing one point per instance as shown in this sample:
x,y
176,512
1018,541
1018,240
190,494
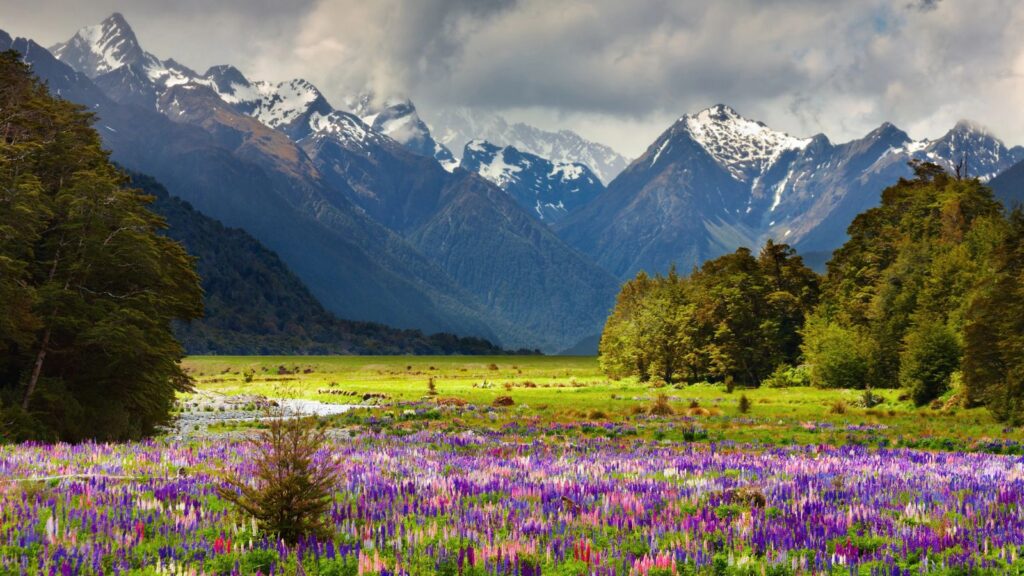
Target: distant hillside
x,y
1009,186
256,305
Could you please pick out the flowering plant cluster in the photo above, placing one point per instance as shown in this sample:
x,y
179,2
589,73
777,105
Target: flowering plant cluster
x,y
508,504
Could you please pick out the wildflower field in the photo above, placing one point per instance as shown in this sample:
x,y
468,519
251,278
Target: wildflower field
x,y
468,489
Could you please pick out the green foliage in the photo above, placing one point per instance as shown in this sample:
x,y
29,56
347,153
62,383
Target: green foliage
x,y
838,357
293,484
910,264
786,376
930,356
88,288
733,320
993,366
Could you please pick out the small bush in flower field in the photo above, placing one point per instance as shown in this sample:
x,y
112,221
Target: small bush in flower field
x,y
292,482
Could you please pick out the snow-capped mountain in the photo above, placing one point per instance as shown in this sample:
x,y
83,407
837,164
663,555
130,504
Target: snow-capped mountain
x,y
110,54
104,47
455,128
967,146
398,119
550,189
715,181
437,243
746,148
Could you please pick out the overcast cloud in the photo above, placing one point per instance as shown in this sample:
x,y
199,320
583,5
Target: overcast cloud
x,y
618,72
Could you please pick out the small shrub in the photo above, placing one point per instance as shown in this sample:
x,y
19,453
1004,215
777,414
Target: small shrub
x,y
248,375
751,496
931,356
492,366
292,488
597,415
744,404
661,406
870,399
786,376
503,401
838,357
837,407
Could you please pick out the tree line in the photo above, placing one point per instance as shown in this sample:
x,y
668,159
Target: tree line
x,y
927,295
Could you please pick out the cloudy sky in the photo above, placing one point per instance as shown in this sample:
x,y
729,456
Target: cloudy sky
x,y
618,72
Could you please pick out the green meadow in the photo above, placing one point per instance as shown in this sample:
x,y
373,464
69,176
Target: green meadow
x,y
552,389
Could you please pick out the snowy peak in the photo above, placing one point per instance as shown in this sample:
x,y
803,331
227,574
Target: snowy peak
x,y
109,53
457,126
887,133
488,160
226,79
344,128
746,148
397,118
101,48
286,106
968,147
550,189
973,150
282,104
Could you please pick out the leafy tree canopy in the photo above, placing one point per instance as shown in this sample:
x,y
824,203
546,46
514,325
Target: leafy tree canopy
x,y
88,287
735,319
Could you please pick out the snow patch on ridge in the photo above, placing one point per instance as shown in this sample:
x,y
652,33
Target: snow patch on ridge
x,y
746,148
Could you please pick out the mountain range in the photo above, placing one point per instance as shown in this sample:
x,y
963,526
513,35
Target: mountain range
x,y
460,221
550,189
377,231
716,180
457,127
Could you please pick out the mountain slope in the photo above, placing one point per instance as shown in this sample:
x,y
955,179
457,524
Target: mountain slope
x,y
357,268
398,119
456,128
551,190
674,204
476,232
420,229
716,180
1009,186
255,305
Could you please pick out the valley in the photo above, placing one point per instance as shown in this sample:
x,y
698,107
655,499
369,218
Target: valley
x,y
409,288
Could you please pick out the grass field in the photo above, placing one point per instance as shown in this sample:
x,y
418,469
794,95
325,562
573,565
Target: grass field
x,y
576,476
573,389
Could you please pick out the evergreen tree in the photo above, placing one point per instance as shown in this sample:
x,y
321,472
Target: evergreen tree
x,y
90,288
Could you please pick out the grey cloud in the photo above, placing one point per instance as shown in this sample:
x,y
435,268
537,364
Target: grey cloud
x,y
924,5
616,70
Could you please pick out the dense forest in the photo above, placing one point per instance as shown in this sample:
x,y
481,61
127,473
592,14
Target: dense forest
x,y
255,305
927,295
88,288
